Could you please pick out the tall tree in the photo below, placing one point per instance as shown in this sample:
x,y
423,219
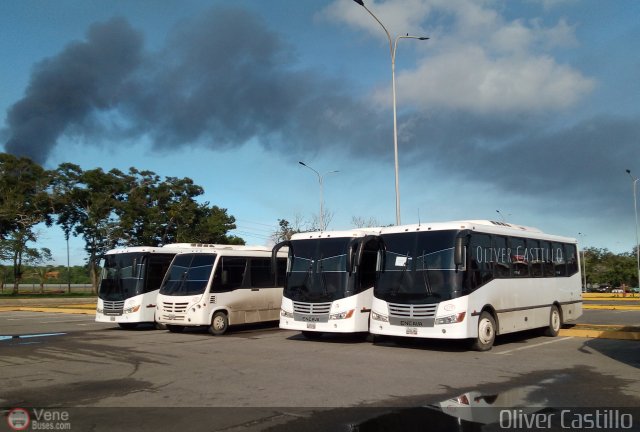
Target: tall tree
x,y
96,198
211,225
154,212
24,203
605,267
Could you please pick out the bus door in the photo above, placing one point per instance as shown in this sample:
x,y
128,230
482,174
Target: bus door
x,y
231,290
262,283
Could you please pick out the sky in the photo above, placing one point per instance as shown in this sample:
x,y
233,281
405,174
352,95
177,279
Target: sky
x,y
520,111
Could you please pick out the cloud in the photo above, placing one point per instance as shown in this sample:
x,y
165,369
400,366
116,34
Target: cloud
x,y
578,169
484,111
477,60
67,88
468,78
223,79
404,16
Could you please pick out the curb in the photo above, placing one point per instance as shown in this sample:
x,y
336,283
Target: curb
x,y
70,309
45,302
602,332
611,307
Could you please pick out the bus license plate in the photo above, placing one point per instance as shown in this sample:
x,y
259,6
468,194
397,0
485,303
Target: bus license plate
x,y
113,318
412,331
311,325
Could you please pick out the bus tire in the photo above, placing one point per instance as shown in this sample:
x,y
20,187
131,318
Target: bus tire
x,y
219,324
128,326
175,328
486,332
555,322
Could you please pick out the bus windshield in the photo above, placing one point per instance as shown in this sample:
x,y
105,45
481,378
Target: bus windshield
x,y
188,275
121,276
317,270
418,268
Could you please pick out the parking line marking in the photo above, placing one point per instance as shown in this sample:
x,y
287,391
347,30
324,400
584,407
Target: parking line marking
x,y
58,321
534,346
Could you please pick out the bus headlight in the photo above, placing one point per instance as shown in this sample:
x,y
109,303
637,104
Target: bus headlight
x,y
451,319
341,315
131,309
376,316
98,310
286,314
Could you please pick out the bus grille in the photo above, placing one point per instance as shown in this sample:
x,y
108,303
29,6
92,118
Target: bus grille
x,y
174,311
311,308
412,311
174,307
113,307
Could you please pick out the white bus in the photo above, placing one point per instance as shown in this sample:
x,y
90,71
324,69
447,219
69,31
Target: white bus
x,y
130,281
474,279
329,283
218,286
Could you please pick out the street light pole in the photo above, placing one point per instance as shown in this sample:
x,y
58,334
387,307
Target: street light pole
x,y
393,46
320,181
635,208
584,263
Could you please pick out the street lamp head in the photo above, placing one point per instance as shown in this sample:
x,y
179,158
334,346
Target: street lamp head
x,y
628,171
360,2
423,38
302,163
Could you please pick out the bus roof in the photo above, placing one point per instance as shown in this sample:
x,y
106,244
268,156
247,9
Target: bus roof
x,y
486,226
185,247
212,246
233,252
354,233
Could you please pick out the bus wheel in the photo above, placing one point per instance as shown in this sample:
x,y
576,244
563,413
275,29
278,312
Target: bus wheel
x,y
175,328
486,332
128,326
219,323
555,322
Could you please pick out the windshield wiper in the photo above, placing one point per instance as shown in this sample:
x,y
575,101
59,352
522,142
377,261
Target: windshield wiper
x,y
323,279
396,288
182,279
425,275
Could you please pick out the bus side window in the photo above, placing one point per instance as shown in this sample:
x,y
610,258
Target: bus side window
x,y
534,256
559,264
519,259
570,256
368,265
547,261
480,266
156,268
501,267
230,274
281,272
261,273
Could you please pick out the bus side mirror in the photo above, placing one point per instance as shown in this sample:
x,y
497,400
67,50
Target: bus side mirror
x,y
460,253
352,253
355,251
274,255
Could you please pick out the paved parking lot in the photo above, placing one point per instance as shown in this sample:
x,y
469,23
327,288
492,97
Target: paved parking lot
x,y
265,377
